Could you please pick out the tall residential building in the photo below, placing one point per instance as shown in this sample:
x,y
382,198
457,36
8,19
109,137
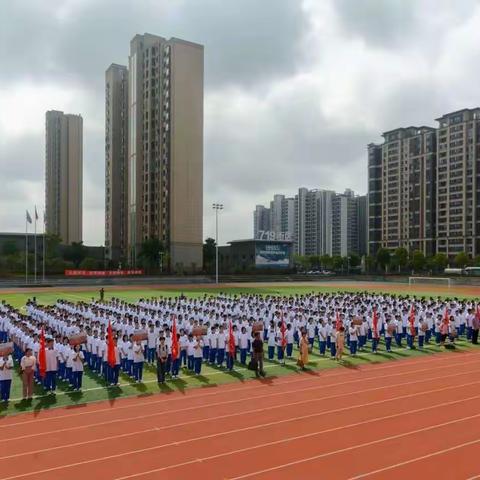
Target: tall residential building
x,y
282,215
402,191
362,214
261,220
458,182
345,238
313,222
64,175
165,148
374,202
116,166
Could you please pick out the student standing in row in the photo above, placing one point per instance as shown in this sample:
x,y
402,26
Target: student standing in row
x,y
197,355
162,357
6,371
28,364
77,368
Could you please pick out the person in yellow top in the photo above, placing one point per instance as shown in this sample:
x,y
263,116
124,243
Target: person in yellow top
x,y
304,346
340,343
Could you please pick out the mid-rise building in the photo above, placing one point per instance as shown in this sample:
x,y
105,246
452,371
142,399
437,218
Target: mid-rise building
x,y
313,222
345,233
261,220
165,148
116,166
64,176
458,183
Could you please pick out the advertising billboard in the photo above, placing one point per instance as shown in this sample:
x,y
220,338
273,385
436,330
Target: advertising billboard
x,y
272,255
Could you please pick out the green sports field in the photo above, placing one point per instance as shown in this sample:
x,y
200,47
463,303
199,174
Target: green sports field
x,y
95,390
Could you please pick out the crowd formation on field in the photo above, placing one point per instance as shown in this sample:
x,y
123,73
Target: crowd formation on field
x,y
221,330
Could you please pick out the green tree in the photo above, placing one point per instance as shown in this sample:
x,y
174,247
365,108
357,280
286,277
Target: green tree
x,y
326,261
9,248
418,260
337,262
400,258
75,253
301,262
383,258
439,262
89,263
476,261
209,252
150,252
52,243
370,263
462,260
355,260
314,261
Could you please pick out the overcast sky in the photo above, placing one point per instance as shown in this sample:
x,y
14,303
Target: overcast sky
x,y
294,90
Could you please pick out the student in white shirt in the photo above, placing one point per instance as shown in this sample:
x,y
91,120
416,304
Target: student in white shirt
x,y
152,336
353,334
138,359
322,338
243,345
190,352
198,354
6,371
27,365
52,367
77,359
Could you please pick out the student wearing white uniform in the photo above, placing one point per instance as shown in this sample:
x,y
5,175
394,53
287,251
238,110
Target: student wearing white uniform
x,y
353,334
243,344
77,359
198,354
52,367
138,360
190,352
6,371
290,339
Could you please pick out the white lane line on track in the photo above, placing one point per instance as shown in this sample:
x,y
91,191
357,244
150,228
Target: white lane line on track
x,y
276,442
258,410
361,380
256,386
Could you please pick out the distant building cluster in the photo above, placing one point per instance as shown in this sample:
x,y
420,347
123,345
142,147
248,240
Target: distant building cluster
x,y
424,187
318,222
153,156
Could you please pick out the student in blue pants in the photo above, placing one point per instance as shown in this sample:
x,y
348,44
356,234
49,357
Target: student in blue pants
x,y
6,374
271,342
353,334
77,368
138,359
197,356
243,344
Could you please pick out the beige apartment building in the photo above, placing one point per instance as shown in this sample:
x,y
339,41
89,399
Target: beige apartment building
x,y
165,148
408,166
116,166
458,187
64,175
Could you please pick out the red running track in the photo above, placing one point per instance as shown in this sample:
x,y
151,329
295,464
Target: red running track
x,y
417,418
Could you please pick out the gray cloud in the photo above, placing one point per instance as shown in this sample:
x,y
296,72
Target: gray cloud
x,y
294,89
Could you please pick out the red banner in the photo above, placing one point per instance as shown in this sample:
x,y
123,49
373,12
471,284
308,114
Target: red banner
x,y
102,273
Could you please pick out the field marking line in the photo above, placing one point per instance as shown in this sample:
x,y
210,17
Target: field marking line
x,y
289,380
346,449
417,459
284,440
248,412
313,387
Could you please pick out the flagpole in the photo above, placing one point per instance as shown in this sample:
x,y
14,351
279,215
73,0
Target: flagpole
x,y
26,250
35,247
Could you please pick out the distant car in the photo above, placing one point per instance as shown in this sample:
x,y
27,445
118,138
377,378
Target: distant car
x,y
327,272
314,272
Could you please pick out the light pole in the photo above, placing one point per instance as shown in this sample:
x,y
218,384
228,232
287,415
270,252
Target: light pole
x,y
216,207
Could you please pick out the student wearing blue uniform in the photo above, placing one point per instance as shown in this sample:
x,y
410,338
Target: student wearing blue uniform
x,y
221,341
271,341
290,340
6,375
197,355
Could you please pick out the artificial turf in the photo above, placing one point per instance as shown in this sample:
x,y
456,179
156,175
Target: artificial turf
x,y
94,388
